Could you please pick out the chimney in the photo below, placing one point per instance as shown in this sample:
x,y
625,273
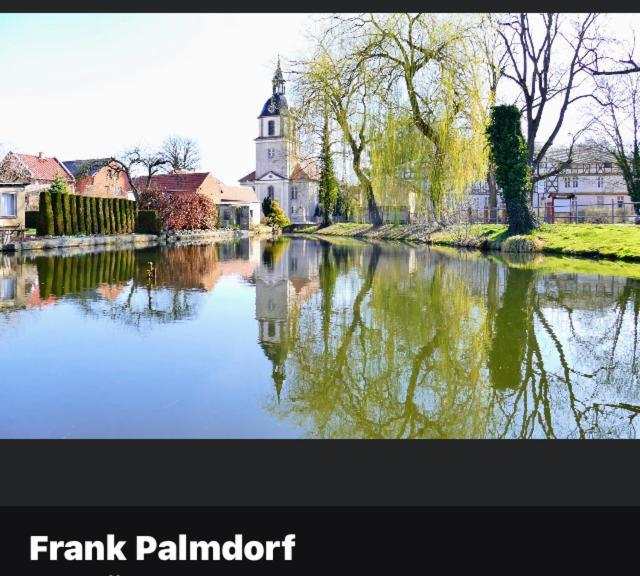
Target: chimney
x,y
41,155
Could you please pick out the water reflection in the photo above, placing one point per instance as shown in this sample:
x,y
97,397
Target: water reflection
x,y
365,339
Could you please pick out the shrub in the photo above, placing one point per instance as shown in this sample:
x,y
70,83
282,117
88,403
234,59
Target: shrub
x,y
66,209
148,222
46,224
82,227
95,221
100,212
277,218
117,217
58,214
88,219
181,211
73,207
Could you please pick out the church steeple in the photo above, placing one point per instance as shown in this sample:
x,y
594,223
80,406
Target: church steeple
x,y
278,80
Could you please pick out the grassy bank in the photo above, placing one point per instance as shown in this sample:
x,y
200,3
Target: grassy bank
x,y
591,240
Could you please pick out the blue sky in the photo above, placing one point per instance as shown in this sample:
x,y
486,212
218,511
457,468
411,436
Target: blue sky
x,y
87,85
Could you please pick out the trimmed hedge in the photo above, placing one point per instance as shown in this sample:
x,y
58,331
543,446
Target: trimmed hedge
x,y
46,223
88,221
73,209
66,210
148,222
82,228
95,221
58,214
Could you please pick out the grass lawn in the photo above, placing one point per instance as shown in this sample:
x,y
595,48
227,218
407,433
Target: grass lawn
x,y
611,241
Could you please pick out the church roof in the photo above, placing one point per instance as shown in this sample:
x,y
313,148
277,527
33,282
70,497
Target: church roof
x,y
279,106
251,177
306,170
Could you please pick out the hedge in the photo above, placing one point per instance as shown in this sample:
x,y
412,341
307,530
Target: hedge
x,y
82,227
31,219
148,222
95,222
66,209
73,208
46,223
88,222
58,215
112,205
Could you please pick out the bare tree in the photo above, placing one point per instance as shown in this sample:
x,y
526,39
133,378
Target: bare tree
x,y
136,160
549,59
620,126
181,153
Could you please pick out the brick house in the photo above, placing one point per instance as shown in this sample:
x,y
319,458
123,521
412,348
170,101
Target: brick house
x,y
236,205
96,177
36,172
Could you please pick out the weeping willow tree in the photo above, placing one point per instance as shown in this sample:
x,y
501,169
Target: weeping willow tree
x,y
434,123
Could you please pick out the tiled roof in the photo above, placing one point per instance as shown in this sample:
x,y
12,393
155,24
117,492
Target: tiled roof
x,y
189,182
43,168
89,167
236,194
251,177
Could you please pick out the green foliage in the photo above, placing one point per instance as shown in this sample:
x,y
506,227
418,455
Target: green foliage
x,y
328,193
59,185
46,223
88,216
513,173
58,214
267,206
95,220
82,226
106,203
31,219
102,221
148,222
66,209
112,208
344,205
73,207
277,218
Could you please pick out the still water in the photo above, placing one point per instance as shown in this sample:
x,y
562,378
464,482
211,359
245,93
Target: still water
x,y
303,337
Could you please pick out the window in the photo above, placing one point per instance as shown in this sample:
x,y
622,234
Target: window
x,y
600,200
567,182
271,152
575,181
270,192
294,264
271,329
8,288
294,192
8,208
271,127
620,201
227,214
600,181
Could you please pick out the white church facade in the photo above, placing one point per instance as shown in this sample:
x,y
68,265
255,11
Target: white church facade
x,y
281,173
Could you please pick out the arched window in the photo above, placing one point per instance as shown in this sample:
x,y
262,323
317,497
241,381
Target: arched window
x,y
271,128
270,192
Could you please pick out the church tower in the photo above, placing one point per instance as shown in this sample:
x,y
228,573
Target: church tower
x,y
280,171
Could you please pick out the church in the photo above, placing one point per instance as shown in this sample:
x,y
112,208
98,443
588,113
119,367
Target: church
x,y
281,172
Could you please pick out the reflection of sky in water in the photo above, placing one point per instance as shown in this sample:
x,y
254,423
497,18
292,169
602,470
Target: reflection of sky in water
x,y
253,340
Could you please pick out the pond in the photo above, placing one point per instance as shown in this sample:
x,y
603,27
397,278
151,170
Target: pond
x,y
317,338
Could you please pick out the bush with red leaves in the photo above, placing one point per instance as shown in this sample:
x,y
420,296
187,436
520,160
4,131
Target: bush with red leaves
x,y
182,211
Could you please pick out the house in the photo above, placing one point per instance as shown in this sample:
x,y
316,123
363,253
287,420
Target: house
x,y
237,205
281,172
36,172
99,177
592,186
12,208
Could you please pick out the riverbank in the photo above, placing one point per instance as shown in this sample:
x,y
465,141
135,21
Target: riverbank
x,y
124,240
617,242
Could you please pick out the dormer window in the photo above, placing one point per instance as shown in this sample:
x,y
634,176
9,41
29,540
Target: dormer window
x,y
271,128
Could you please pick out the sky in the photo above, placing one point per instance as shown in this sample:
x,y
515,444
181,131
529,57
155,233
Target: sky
x,y
80,86
91,85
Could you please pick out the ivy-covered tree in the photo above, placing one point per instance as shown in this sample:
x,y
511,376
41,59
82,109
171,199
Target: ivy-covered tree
x,y
328,193
508,150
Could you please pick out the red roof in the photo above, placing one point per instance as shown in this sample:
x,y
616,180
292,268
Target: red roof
x,y
182,182
43,168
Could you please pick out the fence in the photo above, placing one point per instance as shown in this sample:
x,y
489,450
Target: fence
x,y
614,213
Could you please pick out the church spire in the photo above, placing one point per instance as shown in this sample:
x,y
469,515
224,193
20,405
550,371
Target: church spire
x,y
278,80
